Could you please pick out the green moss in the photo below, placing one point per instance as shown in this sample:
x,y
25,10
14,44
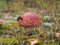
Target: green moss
x,y
50,44
9,25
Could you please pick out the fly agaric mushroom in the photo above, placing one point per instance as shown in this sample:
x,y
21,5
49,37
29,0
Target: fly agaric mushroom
x,y
28,20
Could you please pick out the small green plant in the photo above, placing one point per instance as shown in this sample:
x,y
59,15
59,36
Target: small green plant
x,y
9,41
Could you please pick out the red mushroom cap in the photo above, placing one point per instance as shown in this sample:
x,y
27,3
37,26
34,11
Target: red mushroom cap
x,y
29,19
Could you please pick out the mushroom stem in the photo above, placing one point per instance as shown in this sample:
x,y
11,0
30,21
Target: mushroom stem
x,y
27,30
